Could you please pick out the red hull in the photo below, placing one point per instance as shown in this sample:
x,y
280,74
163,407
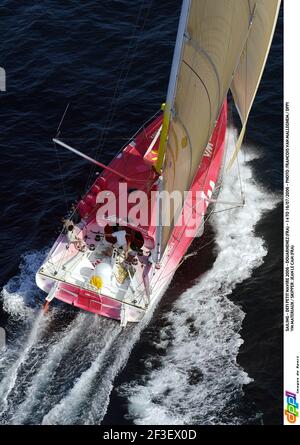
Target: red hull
x,y
132,163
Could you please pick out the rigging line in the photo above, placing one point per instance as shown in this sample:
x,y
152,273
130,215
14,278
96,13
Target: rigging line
x,y
246,80
61,175
224,163
108,120
212,212
135,48
62,119
245,183
114,107
201,247
230,120
60,170
246,96
228,126
226,210
131,49
183,260
240,179
231,126
210,241
139,130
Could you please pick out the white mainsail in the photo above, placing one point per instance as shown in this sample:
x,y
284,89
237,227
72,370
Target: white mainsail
x,y
213,39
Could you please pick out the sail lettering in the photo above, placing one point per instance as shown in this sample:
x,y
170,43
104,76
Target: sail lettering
x,y
208,151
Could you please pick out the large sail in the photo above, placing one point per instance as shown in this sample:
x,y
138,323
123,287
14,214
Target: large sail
x,y
210,46
250,69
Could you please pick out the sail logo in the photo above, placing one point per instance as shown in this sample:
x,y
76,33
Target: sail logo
x,y
2,79
292,406
208,151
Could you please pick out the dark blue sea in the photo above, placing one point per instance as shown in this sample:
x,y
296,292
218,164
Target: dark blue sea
x,y
212,351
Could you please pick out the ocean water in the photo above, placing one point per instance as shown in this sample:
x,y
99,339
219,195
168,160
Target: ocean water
x,y
211,353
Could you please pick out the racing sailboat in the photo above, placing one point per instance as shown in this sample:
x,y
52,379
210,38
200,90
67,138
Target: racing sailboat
x,y
122,244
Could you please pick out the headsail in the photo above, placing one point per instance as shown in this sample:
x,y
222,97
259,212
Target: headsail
x,y
211,42
250,69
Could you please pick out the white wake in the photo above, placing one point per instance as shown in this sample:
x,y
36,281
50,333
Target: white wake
x,y
199,378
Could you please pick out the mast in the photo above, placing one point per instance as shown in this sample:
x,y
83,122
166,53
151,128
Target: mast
x,y
172,82
177,56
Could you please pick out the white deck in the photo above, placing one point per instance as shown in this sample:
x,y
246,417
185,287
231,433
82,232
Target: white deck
x,y
68,264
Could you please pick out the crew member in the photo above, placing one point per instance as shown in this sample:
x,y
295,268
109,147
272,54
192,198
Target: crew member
x,y
71,235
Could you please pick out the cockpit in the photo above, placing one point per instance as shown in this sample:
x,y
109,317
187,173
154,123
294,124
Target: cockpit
x,y
108,258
